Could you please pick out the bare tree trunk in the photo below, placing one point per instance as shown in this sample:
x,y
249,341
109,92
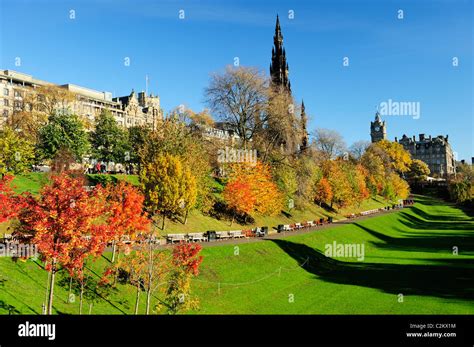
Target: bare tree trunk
x,y
163,225
70,290
150,273
137,300
81,300
186,217
51,287
45,304
113,251
90,307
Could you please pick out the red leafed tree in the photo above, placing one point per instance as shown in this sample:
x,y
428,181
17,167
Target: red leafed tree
x,y
64,223
10,204
186,256
239,197
125,214
186,262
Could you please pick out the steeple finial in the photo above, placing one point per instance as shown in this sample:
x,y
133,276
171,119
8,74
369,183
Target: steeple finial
x,y
279,66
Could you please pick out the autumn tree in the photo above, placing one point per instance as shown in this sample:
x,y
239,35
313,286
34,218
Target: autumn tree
x,y
64,223
323,192
169,187
125,217
399,157
264,192
186,261
147,270
174,138
340,185
239,197
10,203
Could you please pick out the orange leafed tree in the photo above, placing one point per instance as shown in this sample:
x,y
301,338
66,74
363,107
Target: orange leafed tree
x,y
239,197
323,192
257,183
64,224
125,213
10,204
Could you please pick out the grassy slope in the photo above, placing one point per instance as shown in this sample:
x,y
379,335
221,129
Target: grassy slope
x,y
197,222
408,252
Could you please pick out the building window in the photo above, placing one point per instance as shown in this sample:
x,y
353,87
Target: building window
x,y
5,113
6,92
17,93
6,103
17,104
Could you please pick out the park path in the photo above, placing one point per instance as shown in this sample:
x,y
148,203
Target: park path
x,y
275,236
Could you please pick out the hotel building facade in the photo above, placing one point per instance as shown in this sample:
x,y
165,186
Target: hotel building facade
x,y
131,110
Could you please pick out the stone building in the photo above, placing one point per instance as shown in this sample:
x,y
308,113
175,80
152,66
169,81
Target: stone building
x,y
435,152
378,130
128,111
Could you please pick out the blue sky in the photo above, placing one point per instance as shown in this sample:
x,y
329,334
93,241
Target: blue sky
x,y
407,59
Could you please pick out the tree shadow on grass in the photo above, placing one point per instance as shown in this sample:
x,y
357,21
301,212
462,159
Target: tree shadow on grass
x,y
7,307
444,280
415,222
445,216
427,242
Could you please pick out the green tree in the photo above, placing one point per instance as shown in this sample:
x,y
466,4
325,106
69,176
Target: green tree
x,y
63,131
16,153
110,143
137,137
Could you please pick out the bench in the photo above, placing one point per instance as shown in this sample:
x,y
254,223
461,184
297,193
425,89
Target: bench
x,y
176,238
236,234
196,237
222,235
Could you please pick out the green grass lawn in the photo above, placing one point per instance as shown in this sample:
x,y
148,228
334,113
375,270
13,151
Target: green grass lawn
x,y
409,252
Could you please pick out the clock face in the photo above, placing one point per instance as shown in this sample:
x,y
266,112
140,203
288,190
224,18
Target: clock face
x,y
377,128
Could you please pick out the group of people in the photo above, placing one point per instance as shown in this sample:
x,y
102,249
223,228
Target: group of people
x,y
101,167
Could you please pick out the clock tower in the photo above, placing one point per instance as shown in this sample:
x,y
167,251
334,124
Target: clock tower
x,y
378,131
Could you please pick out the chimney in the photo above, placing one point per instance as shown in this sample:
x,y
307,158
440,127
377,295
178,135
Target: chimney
x,y
414,138
430,137
396,140
463,161
472,160
422,137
